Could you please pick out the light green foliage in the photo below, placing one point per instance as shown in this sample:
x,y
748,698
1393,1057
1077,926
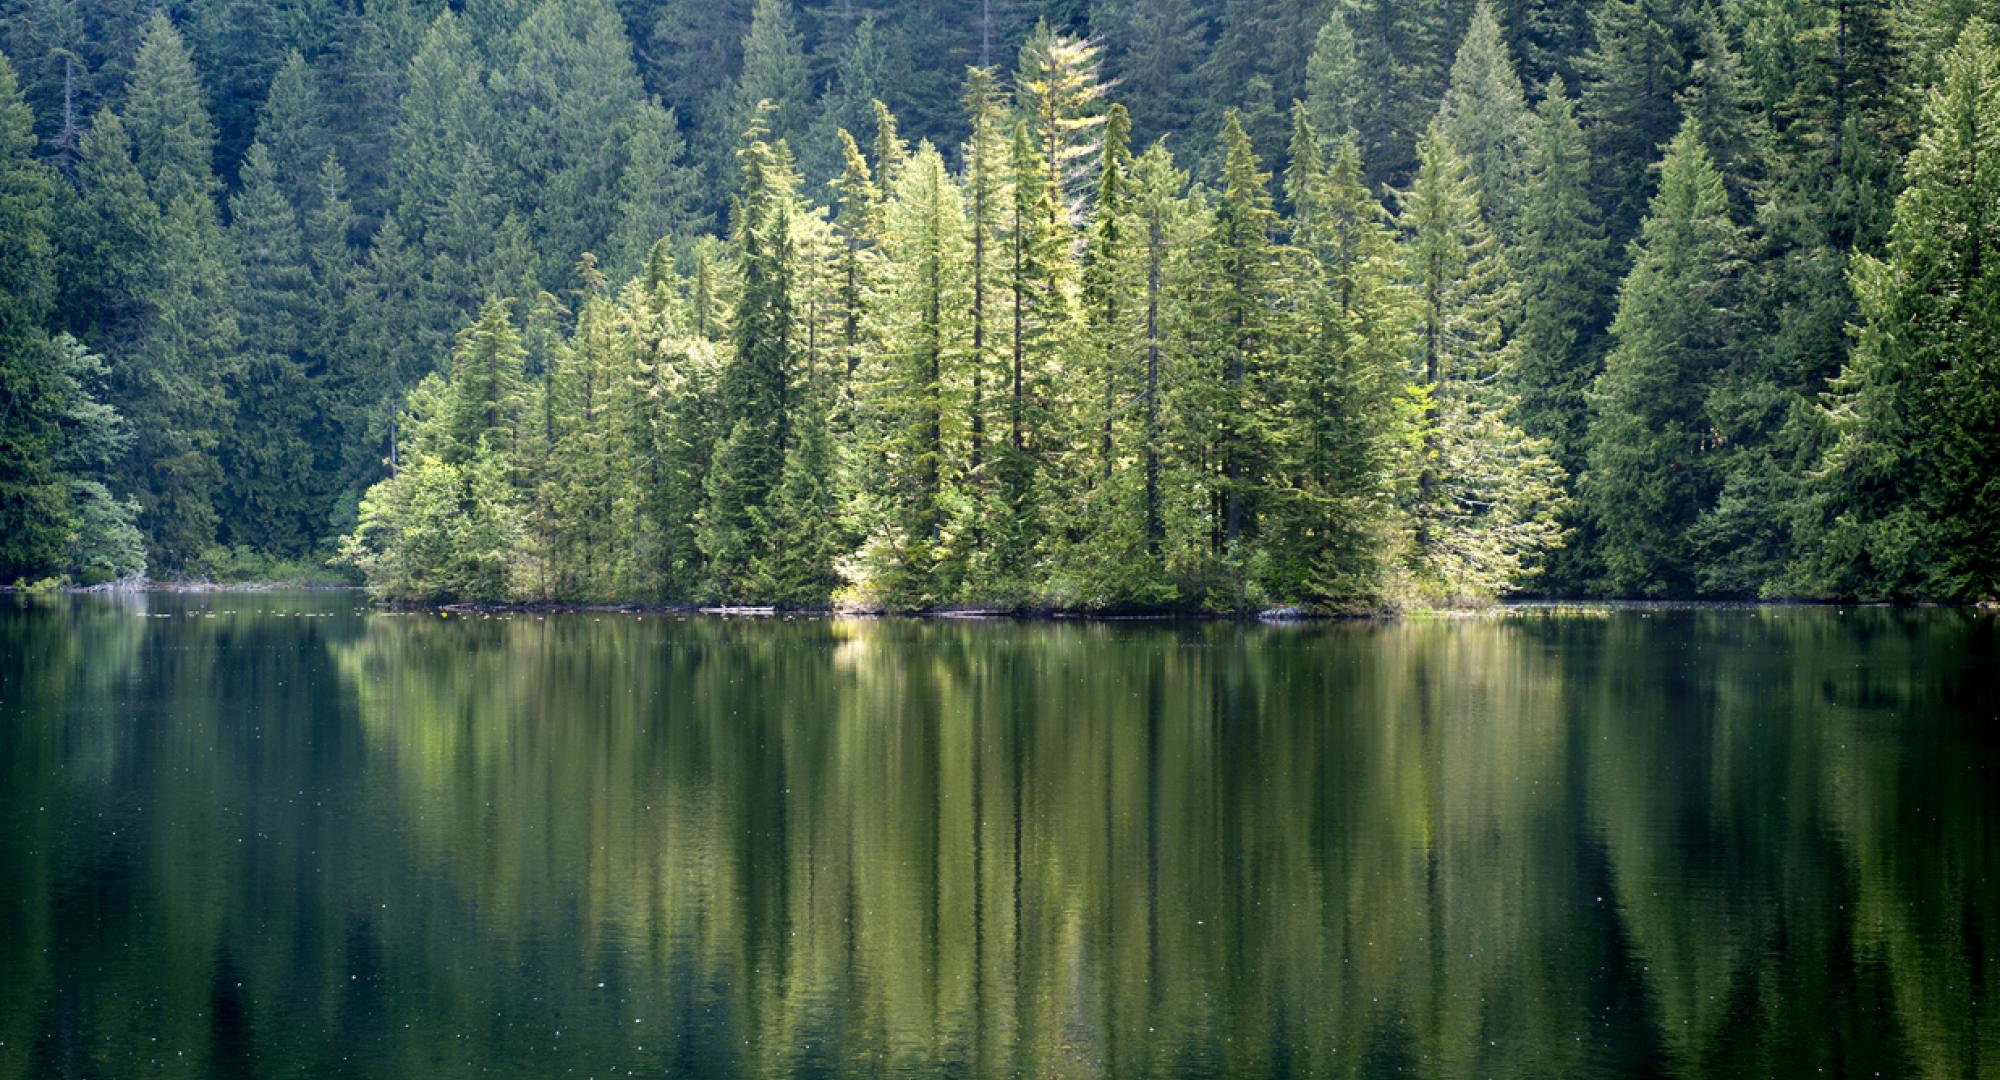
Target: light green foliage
x,y
1050,372
1485,115
1484,504
914,388
1349,368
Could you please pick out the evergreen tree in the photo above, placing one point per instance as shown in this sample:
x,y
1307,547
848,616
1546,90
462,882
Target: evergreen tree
x,y
275,500
1485,115
442,110
1230,410
1639,62
291,128
1404,46
1560,257
50,47
774,71
756,382
1486,498
1153,48
1058,91
176,329
1335,78
482,412
243,43
35,515
863,75
1905,503
656,193
1349,371
564,111
922,323
1038,279
804,508
1162,218
985,157
1652,465
104,541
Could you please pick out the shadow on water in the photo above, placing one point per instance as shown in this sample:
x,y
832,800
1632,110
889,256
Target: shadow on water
x,y
279,836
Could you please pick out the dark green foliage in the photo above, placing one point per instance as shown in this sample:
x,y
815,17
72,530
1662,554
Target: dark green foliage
x,y
34,513
1910,490
1013,360
274,498
1653,455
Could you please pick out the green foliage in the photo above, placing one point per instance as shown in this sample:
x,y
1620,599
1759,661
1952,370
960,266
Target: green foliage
x,y
1049,372
1905,503
1484,506
1652,461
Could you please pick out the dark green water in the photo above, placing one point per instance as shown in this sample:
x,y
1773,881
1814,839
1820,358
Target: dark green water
x,y
236,840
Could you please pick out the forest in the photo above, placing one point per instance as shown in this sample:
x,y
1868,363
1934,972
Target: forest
x,y
1107,305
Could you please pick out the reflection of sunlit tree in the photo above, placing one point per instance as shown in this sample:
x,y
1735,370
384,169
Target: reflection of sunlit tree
x,y
1723,844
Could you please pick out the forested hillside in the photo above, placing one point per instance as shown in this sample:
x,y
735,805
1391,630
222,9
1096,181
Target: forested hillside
x,y
1193,304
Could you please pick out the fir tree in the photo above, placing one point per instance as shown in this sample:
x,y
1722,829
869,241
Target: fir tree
x,y
1640,60
1486,498
774,71
291,128
1485,115
1651,462
175,348
1335,78
655,191
1349,370
1560,257
35,515
756,382
1058,89
1905,504
1242,271
922,322
274,497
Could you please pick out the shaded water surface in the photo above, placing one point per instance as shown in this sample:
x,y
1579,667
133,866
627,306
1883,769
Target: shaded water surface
x,y
280,836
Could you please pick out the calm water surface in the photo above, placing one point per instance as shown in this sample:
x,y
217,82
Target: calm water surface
x,y
280,836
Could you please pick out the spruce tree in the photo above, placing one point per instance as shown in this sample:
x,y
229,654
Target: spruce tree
x,y
175,350
1486,496
1906,495
275,501
292,129
35,511
1162,218
1153,48
923,334
443,108
1335,78
1058,90
1652,464
985,157
774,71
104,540
1640,60
756,382
1230,407
1349,369
656,191
1560,257
1485,115
562,114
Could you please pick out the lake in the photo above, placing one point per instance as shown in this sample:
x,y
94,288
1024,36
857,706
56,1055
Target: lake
x,y
282,835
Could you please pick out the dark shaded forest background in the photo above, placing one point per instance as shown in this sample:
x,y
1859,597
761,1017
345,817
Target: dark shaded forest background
x,y
1148,304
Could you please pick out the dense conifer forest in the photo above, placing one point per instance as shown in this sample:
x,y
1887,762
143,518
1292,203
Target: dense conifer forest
x,y
1136,304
